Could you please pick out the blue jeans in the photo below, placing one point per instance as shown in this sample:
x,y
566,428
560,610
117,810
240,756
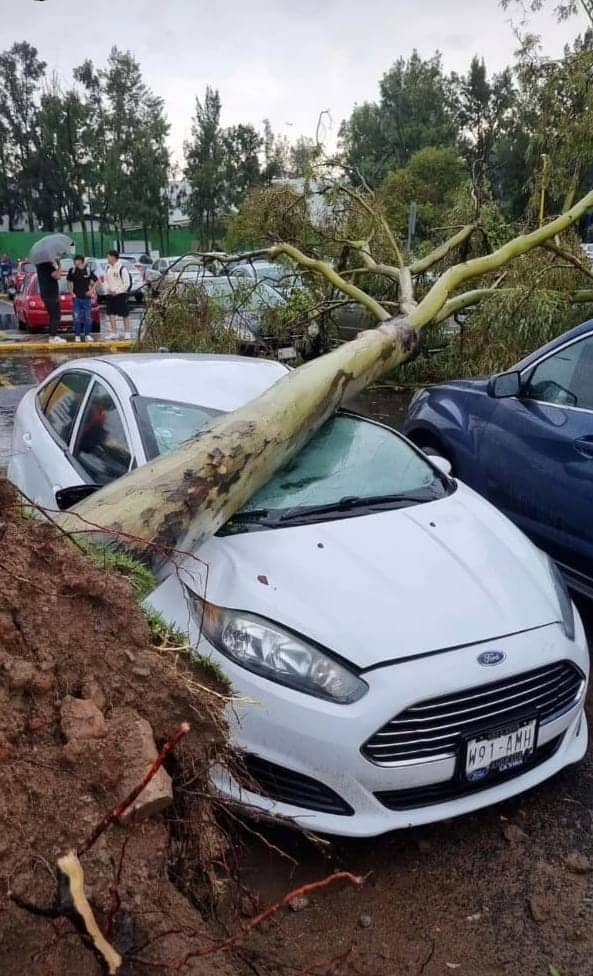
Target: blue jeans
x,y
83,321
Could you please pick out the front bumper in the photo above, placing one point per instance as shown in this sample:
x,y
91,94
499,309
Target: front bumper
x,y
322,741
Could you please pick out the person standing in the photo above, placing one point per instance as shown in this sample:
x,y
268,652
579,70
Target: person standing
x,y
82,283
48,276
119,281
5,271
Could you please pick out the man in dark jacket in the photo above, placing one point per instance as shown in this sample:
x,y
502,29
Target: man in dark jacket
x,y
82,282
48,276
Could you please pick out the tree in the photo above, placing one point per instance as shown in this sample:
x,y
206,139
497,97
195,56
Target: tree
x,y
483,109
21,71
124,143
183,497
303,154
562,10
432,179
276,155
241,149
204,168
415,111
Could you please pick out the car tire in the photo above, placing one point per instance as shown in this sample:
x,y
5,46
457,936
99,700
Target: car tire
x,y
21,325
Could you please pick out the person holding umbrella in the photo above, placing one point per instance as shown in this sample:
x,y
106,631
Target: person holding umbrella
x,y
45,255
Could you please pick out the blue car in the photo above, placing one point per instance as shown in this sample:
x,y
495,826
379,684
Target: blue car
x,y
524,440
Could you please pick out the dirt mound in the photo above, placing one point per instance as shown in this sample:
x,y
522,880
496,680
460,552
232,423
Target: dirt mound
x,y
82,694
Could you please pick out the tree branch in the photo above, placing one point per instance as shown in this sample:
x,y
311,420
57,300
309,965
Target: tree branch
x,y
379,218
568,256
423,264
322,268
451,279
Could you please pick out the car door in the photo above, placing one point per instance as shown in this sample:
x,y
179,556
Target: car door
x,y
40,462
101,450
537,454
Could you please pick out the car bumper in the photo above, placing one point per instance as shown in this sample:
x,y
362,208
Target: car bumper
x,y
322,742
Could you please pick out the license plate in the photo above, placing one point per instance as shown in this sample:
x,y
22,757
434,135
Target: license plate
x,y
501,750
288,352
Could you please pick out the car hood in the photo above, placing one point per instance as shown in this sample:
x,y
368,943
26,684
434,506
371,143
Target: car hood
x,y
390,585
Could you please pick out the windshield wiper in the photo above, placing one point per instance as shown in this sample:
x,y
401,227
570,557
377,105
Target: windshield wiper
x,y
350,502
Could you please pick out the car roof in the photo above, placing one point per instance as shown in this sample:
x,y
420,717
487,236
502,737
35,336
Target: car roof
x,y
218,382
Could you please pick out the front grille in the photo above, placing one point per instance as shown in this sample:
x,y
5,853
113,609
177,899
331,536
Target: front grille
x,y
452,789
287,786
436,728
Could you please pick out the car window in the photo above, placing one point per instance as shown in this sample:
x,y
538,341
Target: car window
x,y
62,404
348,457
566,377
101,445
165,424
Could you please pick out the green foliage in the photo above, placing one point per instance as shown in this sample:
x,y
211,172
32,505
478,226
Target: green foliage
x,y
269,214
433,179
415,110
185,320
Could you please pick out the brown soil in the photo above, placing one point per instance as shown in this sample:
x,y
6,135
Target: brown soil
x,y
70,629
504,892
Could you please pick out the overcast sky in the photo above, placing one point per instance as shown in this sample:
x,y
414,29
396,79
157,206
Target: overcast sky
x,y
281,59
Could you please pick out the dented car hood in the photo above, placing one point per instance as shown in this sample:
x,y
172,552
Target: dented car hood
x,y
389,585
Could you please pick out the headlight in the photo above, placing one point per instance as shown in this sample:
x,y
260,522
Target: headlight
x,y
566,607
267,649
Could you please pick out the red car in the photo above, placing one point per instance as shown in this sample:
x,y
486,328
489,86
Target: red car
x,y
31,313
23,268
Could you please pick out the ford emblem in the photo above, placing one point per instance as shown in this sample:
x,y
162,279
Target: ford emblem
x,y
487,658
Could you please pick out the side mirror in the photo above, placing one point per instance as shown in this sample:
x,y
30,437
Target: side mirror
x,y
66,497
442,463
505,385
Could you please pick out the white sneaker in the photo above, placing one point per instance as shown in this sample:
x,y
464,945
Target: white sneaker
x,y
89,338
77,339
57,339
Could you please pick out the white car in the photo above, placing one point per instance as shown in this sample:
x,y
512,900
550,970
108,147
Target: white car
x,y
403,652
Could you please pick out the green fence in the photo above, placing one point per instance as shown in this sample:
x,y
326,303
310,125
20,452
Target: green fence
x,y
18,243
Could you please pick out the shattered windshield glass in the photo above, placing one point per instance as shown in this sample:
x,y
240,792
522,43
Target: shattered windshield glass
x,y
349,459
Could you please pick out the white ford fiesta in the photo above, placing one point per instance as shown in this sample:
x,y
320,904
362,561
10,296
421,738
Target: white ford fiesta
x,y
404,653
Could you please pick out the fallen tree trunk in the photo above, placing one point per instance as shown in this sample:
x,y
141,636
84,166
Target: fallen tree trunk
x,y
182,498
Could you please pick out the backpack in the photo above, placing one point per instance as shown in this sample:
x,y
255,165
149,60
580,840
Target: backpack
x,y
129,288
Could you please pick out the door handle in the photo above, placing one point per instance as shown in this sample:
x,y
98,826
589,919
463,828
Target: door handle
x,y
27,439
584,446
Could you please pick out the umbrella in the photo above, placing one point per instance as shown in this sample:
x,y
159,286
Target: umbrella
x,y
50,248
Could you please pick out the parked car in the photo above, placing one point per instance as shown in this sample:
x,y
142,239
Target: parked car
x,y
401,651
524,440
31,313
275,275
140,258
99,266
159,268
188,270
22,269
